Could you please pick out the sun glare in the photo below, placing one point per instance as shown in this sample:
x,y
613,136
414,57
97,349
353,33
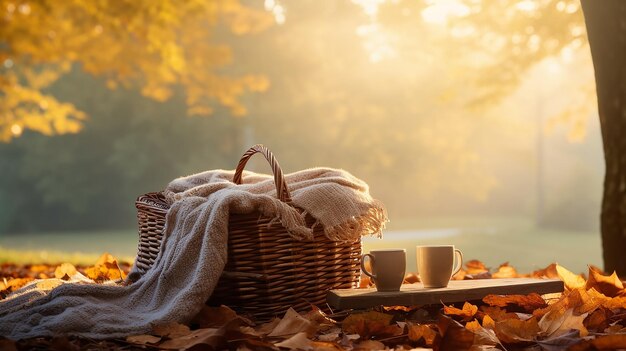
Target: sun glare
x,y
370,7
440,11
376,41
277,10
16,129
526,6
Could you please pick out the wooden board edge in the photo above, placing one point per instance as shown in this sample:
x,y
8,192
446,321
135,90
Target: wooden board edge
x,y
355,302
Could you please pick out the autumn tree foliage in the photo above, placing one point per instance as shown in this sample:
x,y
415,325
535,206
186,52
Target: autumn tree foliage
x,y
341,80
150,45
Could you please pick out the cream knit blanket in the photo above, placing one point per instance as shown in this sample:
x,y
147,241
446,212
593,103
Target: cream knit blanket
x,y
192,255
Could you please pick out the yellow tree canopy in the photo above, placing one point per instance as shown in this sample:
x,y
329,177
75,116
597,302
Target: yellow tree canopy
x,y
145,44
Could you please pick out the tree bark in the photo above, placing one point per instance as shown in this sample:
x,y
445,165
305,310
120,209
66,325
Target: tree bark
x,y
606,30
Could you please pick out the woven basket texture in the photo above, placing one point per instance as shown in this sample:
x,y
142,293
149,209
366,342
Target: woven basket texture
x,y
267,271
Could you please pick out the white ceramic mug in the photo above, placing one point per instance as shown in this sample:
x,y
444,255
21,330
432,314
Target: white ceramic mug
x,y
435,262
388,267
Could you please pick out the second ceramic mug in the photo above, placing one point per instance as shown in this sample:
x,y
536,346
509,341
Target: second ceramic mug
x,y
435,262
388,267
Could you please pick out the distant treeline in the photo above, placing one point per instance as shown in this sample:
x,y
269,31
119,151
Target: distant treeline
x,y
130,145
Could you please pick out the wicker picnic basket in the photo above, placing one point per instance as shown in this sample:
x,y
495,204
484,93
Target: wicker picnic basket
x,y
267,271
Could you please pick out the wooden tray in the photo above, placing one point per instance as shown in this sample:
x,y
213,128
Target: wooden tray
x,y
456,291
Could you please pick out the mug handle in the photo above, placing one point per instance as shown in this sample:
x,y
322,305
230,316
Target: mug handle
x,y
459,262
373,276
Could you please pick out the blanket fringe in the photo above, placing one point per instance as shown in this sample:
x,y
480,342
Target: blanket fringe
x,y
372,222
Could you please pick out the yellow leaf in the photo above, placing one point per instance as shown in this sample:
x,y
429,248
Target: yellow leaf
x,y
422,331
106,268
467,312
571,280
488,322
65,270
505,271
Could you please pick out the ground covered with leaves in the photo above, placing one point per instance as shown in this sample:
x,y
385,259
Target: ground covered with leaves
x,y
589,315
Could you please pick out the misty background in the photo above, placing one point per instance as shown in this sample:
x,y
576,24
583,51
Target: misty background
x,y
385,90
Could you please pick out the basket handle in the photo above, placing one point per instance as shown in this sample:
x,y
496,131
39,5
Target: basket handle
x,y
279,179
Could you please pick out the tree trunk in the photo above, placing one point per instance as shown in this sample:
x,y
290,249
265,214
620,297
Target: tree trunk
x,y
606,29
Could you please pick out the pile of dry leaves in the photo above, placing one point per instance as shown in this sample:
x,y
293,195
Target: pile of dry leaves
x,y
589,315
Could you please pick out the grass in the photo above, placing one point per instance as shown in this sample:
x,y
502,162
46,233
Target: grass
x,y
492,240
73,247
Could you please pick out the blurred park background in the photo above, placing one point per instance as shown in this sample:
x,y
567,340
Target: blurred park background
x,y
474,121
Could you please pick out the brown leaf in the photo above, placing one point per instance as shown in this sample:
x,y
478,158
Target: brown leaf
x,y
212,337
460,275
332,335
411,278
318,316
571,280
297,342
370,324
466,313
560,342
143,339
505,271
610,286
365,282
581,300
400,308
370,345
605,342
251,345
293,323
528,303
62,343
482,335
516,330
352,323
557,322
171,330
325,346
216,317
454,336
615,303
497,313
548,272
585,301
475,267
267,328
422,331
7,345
598,320
615,329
